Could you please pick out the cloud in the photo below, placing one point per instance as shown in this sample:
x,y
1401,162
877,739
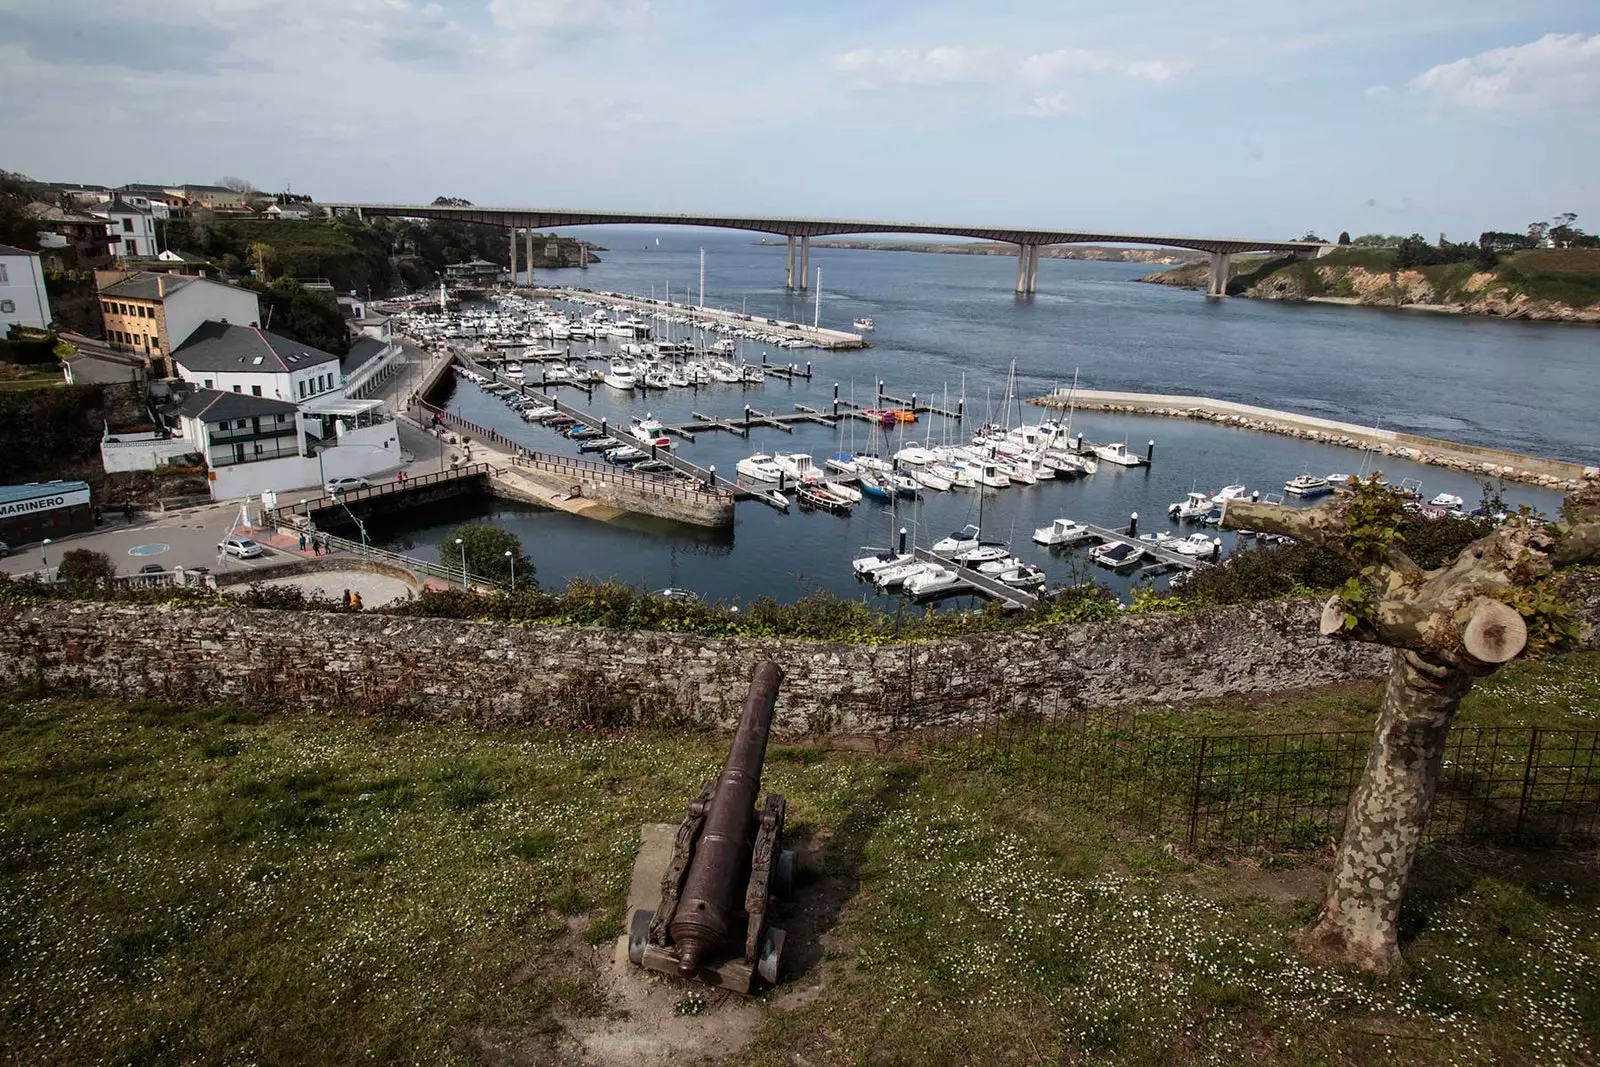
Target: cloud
x,y
1050,106
1043,67
952,65
563,18
1557,70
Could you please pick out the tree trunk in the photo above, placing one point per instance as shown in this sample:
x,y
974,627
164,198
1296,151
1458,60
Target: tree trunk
x,y
1387,815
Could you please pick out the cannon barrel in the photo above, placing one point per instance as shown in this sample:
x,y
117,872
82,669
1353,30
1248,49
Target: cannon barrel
x,y
721,865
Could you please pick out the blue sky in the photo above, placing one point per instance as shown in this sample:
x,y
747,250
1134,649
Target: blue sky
x,y
1168,115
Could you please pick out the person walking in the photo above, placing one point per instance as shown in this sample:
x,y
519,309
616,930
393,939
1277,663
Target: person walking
x,y
346,601
302,540
327,546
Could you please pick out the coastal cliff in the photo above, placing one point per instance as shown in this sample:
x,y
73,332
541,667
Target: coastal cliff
x,y
1550,285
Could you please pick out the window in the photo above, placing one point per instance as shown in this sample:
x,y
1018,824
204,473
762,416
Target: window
x,y
131,244
207,383
302,390
238,389
4,279
255,390
139,310
105,305
127,225
155,344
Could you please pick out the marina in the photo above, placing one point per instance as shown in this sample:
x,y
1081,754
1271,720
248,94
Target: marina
x,y
790,547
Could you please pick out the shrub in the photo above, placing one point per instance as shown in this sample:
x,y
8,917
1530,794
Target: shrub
x,y
84,569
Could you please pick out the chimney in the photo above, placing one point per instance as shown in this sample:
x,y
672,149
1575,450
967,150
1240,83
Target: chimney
x,y
161,285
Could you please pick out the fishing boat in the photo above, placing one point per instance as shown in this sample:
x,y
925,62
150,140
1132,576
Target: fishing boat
x,y
1061,532
1118,454
760,467
1192,507
1307,486
864,323
797,467
649,430
882,416
820,497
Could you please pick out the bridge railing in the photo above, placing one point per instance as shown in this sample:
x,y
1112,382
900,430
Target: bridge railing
x,y
350,496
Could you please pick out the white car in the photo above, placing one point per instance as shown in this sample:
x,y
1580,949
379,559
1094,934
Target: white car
x,y
242,547
336,486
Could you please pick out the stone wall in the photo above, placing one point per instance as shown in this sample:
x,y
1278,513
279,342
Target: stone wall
x,y
368,663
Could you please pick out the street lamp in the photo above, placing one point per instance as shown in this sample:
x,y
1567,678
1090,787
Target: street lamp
x,y
44,558
463,546
513,561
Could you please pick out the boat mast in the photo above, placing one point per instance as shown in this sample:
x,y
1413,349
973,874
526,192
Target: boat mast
x,y
702,278
816,313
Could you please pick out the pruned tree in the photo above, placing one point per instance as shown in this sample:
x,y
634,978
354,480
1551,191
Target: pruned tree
x,y
1448,627
237,184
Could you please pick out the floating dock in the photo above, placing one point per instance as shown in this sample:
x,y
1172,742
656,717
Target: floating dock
x,y
993,588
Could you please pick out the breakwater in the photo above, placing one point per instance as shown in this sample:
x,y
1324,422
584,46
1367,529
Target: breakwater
x,y
1553,474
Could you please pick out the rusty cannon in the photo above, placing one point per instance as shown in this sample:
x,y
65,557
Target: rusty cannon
x,y
728,862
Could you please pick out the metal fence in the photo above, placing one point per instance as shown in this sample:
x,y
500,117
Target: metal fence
x,y
1286,790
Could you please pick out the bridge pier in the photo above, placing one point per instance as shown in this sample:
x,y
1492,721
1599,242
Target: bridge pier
x,y
1221,264
514,235
788,273
1022,268
527,258
1033,268
805,262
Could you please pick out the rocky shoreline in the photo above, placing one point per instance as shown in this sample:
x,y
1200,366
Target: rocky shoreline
x,y
1463,461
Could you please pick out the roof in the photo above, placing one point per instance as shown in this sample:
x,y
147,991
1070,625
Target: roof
x,y
185,257
10,494
51,213
213,405
147,286
210,189
361,350
221,346
11,250
296,206
104,355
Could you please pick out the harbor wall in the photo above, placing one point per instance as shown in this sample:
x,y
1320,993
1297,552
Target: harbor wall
x,y
384,665
1473,459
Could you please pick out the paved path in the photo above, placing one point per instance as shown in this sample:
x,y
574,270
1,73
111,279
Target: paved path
x,y
377,590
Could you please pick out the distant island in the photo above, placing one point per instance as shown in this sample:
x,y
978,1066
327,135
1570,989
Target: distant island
x,y
1100,253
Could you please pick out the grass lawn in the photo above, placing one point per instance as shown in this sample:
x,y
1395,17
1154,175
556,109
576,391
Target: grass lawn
x,y
207,885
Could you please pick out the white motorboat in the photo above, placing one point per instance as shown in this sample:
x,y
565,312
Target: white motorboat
x,y
1015,472
657,379
1197,545
1061,532
989,474
797,467
848,492
865,566
1194,506
1117,555
649,430
929,477
893,575
534,414
1065,466
621,376
1023,576
915,456
981,553
995,566
1230,492
1449,501
864,323
959,475
934,579
726,373
1158,538
960,541
1307,485
1118,453
760,466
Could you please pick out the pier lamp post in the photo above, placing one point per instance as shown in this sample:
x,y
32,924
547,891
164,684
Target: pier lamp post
x,y
513,561
462,545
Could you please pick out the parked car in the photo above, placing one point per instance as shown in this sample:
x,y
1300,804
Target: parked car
x,y
242,547
5,550
336,486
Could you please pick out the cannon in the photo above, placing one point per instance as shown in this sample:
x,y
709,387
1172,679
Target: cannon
x,y
704,929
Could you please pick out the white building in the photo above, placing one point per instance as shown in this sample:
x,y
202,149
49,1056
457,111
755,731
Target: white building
x,y
295,212
133,229
23,300
245,359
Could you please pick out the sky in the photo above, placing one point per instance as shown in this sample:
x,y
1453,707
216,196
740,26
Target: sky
x,y
1174,116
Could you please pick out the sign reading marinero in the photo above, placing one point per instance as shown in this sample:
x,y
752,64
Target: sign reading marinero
x,y
46,502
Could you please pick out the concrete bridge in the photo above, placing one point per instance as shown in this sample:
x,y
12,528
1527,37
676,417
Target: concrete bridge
x,y
1028,241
